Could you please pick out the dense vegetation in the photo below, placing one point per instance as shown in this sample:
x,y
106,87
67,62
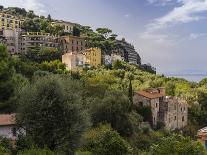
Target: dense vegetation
x,y
89,111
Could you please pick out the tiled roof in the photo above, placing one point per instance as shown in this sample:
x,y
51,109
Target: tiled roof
x,y
7,119
150,95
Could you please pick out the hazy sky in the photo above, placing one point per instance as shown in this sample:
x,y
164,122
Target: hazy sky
x,y
169,34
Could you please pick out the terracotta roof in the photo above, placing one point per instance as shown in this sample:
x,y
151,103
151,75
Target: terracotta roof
x,y
150,95
7,119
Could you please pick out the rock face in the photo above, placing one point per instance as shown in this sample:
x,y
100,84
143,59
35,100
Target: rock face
x,y
171,111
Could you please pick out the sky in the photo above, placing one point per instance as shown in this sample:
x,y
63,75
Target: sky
x,y
171,35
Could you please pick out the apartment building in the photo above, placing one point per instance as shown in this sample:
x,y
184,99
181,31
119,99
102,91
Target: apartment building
x,y
128,52
68,26
171,111
31,40
92,57
72,44
9,22
72,60
11,39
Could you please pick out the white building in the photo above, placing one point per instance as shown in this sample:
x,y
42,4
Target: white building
x,y
8,128
72,60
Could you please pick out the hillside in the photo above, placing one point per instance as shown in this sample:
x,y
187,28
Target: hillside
x,y
90,111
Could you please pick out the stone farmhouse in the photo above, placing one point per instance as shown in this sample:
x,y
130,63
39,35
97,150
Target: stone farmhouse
x,y
171,111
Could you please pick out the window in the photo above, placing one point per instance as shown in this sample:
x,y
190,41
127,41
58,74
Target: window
x,y
72,48
181,109
175,118
14,132
141,104
72,42
174,107
77,42
183,118
156,105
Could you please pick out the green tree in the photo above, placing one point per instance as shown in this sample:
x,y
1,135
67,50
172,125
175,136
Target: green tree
x,y
7,75
114,109
170,88
103,140
52,113
36,151
177,145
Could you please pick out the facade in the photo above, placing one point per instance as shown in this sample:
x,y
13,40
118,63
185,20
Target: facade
x,y
202,137
9,22
31,40
128,52
73,44
2,38
115,57
107,59
92,57
171,111
8,128
68,26
72,60
12,40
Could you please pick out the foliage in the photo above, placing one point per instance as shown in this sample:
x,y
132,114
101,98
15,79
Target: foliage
x,y
177,144
43,104
36,151
7,77
104,140
4,151
114,109
44,54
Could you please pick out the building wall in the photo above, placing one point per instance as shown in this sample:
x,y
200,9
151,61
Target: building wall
x,y
173,112
32,40
7,132
9,22
115,57
153,103
92,57
68,27
12,40
72,44
72,60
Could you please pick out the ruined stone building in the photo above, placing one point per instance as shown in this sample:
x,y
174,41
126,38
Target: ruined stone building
x,y
171,111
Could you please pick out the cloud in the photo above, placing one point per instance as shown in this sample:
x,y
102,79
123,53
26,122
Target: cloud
x,y
194,36
161,2
36,5
189,11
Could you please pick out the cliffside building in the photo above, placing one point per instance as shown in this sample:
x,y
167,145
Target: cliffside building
x,y
171,111
68,26
31,40
9,22
128,52
72,44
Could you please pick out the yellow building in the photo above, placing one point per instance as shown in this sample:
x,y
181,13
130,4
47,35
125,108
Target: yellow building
x,y
9,22
92,57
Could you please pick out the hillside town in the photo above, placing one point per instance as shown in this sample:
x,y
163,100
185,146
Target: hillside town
x,y
74,48
99,86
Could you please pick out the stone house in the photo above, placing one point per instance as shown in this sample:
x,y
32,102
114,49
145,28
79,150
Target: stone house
x,y
8,128
72,60
171,111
